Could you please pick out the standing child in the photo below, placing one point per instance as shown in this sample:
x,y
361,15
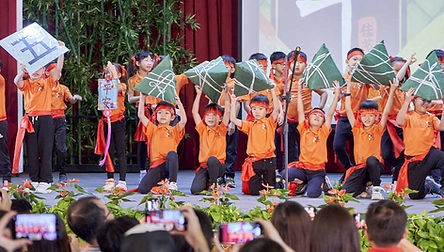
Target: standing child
x,y
5,162
163,140
117,144
367,134
260,165
37,122
212,143
60,95
421,156
314,131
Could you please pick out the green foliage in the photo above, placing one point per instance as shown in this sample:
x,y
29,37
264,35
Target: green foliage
x,y
97,31
426,232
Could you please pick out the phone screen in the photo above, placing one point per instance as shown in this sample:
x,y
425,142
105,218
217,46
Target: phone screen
x,y
171,219
239,232
359,220
36,227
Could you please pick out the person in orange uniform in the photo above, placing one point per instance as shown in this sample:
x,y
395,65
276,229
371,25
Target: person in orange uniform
x,y
292,113
421,156
260,165
367,134
212,143
308,173
38,124
5,162
163,139
60,95
117,72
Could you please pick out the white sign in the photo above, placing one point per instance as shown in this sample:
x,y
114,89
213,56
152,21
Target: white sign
x,y
33,46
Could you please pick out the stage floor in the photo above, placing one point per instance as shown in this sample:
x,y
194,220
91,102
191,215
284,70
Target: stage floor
x,y
91,181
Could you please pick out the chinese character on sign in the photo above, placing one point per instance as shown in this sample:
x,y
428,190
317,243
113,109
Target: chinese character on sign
x,y
33,46
107,94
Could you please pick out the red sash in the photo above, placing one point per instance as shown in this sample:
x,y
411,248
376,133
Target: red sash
x,y
248,171
25,125
352,169
101,142
403,177
306,166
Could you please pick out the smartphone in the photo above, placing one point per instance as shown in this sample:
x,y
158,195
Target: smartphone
x,y
239,232
36,227
170,219
359,220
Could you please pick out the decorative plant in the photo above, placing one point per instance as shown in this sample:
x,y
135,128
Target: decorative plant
x,y
426,232
264,199
439,204
339,197
399,198
162,196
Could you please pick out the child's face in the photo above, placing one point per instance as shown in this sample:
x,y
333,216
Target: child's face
x,y
258,112
299,68
145,64
264,67
353,61
278,67
164,116
421,105
368,119
37,75
397,65
212,119
316,119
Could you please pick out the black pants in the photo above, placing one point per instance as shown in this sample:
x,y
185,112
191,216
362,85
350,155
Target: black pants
x,y
117,148
142,154
357,181
5,162
231,151
39,147
418,171
156,174
60,149
313,179
265,170
343,133
208,176
294,139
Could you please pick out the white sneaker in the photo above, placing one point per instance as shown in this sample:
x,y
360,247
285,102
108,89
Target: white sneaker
x,y
172,186
109,185
141,175
35,185
122,185
43,188
377,193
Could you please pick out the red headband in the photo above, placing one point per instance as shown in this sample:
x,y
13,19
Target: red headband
x,y
357,52
166,107
441,60
368,111
263,63
51,66
213,110
278,61
259,104
300,59
230,64
317,110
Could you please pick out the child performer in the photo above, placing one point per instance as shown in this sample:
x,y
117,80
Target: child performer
x,y
367,134
314,131
37,122
421,156
141,64
212,143
117,144
5,163
60,95
259,168
163,140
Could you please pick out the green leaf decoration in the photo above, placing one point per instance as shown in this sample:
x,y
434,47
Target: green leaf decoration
x,y
210,77
250,78
375,67
427,80
322,71
160,82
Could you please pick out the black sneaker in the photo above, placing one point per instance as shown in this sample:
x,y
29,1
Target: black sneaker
x,y
326,186
279,181
230,182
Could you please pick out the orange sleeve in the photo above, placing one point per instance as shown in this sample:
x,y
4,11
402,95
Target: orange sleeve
x,y
123,87
245,127
66,93
200,127
149,130
178,133
181,80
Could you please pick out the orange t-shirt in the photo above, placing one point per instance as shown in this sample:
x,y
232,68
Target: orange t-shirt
x,y
162,139
359,93
120,102
132,82
260,136
398,99
436,109
306,100
37,96
313,144
419,133
367,142
2,99
60,95
212,141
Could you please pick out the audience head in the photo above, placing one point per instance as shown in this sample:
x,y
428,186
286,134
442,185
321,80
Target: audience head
x,y
333,229
292,222
154,241
21,206
263,244
386,223
112,232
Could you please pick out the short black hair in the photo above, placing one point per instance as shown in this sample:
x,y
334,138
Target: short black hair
x,y
277,56
112,232
301,53
354,49
260,98
21,206
228,58
214,106
439,53
85,217
368,104
386,222
258,56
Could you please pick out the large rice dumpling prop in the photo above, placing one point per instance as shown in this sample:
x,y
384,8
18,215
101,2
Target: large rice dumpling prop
x,y
427,80
210,77
375,67
322,71
250,78
160,82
